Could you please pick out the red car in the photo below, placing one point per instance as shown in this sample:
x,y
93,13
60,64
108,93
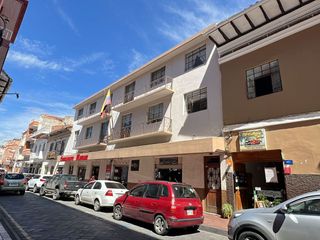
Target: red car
x,y
164,204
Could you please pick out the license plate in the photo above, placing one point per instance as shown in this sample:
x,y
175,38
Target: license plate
x,y
13,185
189,212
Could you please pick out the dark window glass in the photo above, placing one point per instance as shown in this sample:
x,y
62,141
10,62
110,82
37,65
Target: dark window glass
x,y
264,79
14,176
36,176
89,185
92,108
51,147
139,191
62,147
89,132
97,185
184,191
135,165
80,113
195,58
126,125
164,191
152,191
46,177
157,77
129,92
114,185
196,101
70,178
155,113
308,207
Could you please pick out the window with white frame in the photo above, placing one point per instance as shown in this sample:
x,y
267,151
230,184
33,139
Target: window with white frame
x,y
155,113
80,113
92,108
129,92
89,132
263,79
157,77
196,101
195,58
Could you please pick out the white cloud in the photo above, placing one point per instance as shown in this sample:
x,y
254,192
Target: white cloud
x,y
138,59
66,18
33,46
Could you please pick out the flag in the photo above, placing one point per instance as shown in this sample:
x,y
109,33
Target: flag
x,y
106,106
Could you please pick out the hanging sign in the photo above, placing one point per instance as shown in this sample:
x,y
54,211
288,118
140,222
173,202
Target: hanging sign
x,y
252,140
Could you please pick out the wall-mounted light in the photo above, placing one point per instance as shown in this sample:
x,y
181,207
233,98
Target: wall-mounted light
x,y
17,94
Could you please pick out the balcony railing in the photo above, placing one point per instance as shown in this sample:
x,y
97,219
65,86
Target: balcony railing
x,y
145,129
128,97
90,142
43,130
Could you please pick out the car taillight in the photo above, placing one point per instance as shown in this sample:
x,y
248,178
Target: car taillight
x,y
1,181
65,185
109,193
42,180
24,181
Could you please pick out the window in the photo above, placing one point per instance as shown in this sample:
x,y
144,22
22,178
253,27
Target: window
x,y
114,185
135,165
152,191
89,185
35,148
43,147
155,113
164,191
88,132
80,113
126,125
70,169
63,142
184,191
196,101
129,92
307,207
195,58
264,79
97,185
76,135
157,77
92,108
104,132
138,191
51,147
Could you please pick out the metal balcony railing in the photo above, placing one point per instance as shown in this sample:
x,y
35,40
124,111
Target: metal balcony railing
x,y
43,130
82,142
148,127
128,97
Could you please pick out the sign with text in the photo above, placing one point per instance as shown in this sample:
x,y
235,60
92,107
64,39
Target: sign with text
x,y
81,157
252,140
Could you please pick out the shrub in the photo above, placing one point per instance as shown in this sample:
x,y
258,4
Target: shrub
x,y
227,210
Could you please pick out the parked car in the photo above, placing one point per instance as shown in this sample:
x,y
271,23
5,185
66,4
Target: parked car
x,y
36,182
100,193
164,204
28,176
295,219
61,185
13,182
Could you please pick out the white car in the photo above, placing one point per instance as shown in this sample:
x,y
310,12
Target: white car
x,y
36,182
100,193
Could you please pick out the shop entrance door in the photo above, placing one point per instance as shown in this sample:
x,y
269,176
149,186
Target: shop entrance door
x,y
212,184
95,172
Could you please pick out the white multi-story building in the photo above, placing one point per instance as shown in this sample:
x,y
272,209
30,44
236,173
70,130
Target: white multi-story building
x,y
165,123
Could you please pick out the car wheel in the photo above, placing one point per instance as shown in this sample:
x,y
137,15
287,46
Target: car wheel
x,y
117,212
42,192
160,225
22,192
248,235
35,189
27,188
194,228
96,205
77,200
56,194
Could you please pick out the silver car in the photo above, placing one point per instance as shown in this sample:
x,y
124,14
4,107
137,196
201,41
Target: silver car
x,y
295,219
13,182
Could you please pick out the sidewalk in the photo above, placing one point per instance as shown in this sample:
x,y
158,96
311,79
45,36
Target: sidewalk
x,y
215,223
3,233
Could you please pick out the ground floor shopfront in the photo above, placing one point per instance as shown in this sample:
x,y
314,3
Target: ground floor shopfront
x,y
276,162
199,163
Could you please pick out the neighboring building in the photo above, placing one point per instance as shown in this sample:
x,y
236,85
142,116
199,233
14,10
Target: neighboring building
x,y
269,61
11,16
165,123
9,152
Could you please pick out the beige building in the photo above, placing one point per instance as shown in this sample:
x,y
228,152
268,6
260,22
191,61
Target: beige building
x,y
270,93
8,154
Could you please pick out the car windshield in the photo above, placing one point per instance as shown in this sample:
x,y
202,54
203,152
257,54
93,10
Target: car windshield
x,y
46,177
14,176
36,176
183,191
70,178
114,185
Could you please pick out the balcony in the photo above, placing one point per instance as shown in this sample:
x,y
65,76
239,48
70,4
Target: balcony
x,y
154,91
89,118
82,143
143,130
42,131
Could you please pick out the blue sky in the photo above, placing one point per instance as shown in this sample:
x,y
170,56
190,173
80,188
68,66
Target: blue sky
x,y
68,50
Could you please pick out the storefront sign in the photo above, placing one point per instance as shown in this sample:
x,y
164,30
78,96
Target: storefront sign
x,y
52,155
271,174
288,162
252,140
66,158
168,161
81,157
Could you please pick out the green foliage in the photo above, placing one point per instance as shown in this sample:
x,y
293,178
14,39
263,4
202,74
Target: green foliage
x,y
227,210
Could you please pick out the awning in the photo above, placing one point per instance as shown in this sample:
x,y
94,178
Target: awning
x,y
5,83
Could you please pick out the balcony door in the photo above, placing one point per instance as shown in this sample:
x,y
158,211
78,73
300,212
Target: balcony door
x,y
129,92
104,132
126,125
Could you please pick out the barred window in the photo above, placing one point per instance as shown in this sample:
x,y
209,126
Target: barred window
x,y
157,77
89,132
264,79
92,108
196,100
195,58
155,113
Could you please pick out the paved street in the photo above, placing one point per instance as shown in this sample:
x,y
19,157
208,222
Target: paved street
x,y
43,218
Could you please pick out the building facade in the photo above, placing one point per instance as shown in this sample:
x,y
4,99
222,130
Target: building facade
x,y
8,154
270,101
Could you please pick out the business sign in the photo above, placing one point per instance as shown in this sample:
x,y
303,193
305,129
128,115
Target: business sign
x,y
52,155
67,158
80,157
252,140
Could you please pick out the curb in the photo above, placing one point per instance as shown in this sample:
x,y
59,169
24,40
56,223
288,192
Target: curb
x,y
214,230
12,227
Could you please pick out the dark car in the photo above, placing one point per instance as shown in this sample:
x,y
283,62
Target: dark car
x,y
61,185
164,204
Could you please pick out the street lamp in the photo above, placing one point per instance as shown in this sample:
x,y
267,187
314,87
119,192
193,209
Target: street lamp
x,y
17,94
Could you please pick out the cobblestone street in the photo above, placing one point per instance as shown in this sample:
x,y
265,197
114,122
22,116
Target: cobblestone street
x,y
43,218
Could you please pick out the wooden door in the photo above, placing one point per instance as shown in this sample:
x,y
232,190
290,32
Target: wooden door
x,y
212,184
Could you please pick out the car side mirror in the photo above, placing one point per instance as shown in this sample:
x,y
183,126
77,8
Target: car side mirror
x,y
283,209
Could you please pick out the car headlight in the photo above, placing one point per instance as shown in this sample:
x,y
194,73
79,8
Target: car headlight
x,y
237,214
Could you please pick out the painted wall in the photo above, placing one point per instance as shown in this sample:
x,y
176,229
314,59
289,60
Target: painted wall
x,y
298,57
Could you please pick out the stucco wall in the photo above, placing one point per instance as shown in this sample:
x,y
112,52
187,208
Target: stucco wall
x,y
146,170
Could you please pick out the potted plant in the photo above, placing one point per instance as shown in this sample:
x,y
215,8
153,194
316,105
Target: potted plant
x,y
227,210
